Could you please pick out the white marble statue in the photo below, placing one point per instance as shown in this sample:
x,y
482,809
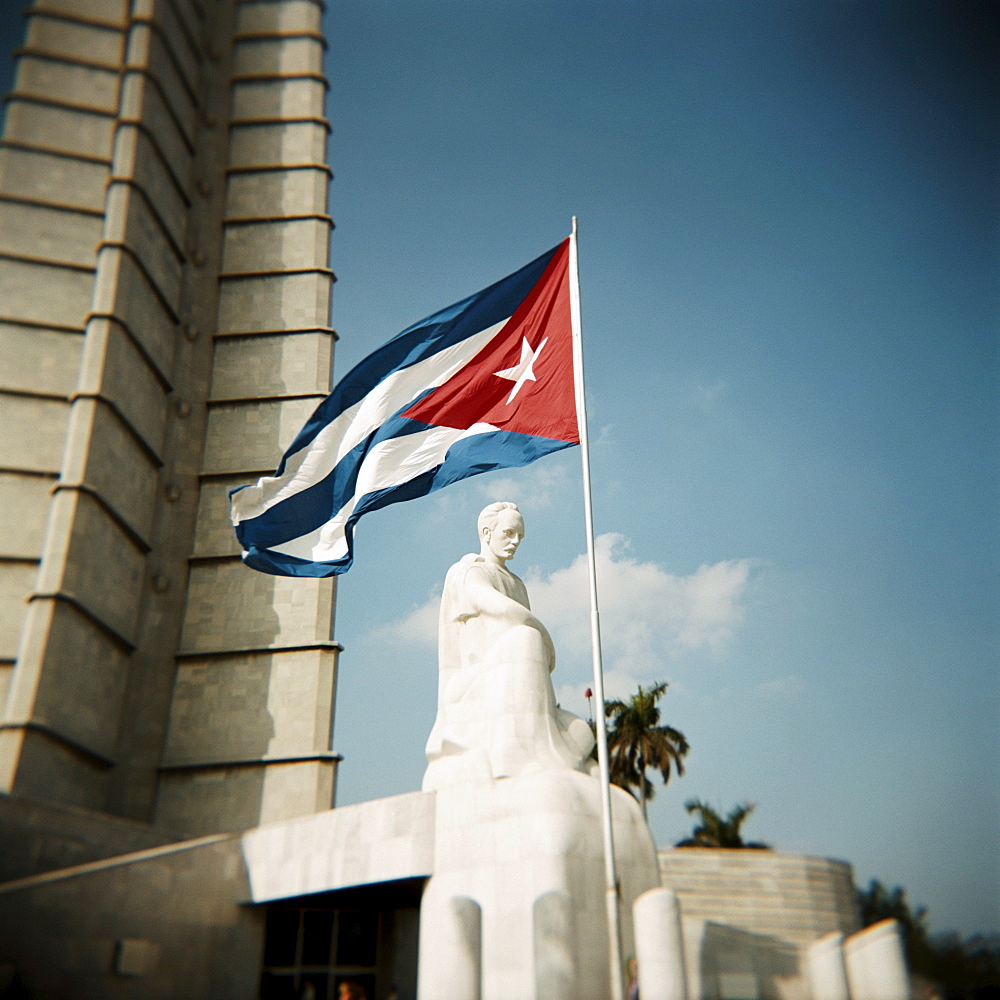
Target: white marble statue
x,y
497,716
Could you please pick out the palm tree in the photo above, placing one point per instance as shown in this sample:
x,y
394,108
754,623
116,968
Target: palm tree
x,y
712,830
637,742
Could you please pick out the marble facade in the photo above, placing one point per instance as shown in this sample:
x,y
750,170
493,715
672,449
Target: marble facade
x,y
163,178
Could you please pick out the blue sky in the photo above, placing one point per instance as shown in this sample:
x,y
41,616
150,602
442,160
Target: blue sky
x,y
788,251
788,263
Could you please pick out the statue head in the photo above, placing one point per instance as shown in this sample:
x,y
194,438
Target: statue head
x,y
501,529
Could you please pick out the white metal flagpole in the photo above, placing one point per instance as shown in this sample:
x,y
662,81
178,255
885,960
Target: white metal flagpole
x,y
612,899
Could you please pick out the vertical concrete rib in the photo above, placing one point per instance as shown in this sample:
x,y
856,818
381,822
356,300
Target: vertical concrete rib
x,y
249,732
55,159
555,944
184,79
659,945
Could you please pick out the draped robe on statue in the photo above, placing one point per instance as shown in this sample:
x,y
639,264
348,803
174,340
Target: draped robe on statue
x,y
497,716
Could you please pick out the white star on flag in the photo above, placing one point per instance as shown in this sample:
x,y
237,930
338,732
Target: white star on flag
x,y
521,372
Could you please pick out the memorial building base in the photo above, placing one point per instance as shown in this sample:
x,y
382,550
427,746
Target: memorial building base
x,y
495,890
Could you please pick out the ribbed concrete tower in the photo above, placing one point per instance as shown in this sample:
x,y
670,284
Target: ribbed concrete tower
x,y
164,310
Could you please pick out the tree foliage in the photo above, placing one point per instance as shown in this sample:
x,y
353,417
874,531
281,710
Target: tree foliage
x,y
879,903
637,742
715,830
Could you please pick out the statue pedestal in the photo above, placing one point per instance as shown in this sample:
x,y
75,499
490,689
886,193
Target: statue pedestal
x,y
516,905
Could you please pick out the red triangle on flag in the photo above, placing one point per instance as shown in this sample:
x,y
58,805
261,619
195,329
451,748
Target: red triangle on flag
x,y
522,380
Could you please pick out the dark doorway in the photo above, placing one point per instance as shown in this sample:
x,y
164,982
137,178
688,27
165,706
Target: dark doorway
x,y
366,936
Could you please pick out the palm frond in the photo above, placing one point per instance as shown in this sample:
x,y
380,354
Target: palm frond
x,y
715,830
637,742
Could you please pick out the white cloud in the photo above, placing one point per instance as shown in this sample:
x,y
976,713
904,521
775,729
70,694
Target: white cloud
x,y
649,617
418,627
545,482
604,438
706,396
781,687
617,684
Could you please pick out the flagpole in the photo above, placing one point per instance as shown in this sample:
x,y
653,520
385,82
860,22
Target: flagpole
x,y
612,896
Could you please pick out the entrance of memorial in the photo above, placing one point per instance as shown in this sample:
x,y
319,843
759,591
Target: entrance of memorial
x,y
366,935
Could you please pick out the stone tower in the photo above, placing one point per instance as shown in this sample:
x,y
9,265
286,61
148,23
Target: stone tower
x,y
164,330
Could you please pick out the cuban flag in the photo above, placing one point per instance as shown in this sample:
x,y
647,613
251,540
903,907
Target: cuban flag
x,y
487,383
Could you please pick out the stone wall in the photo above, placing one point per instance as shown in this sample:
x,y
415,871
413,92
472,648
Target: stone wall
x,y
164,303
39,837
161,924
787,896
186,920
750,916
249,739
55,163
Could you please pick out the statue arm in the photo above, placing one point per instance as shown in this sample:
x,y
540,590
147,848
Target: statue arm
x,y
487,600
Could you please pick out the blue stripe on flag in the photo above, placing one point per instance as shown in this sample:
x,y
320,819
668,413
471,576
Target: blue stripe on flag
x,y
467,457
310,508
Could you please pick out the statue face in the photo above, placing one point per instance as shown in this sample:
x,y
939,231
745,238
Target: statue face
x,y
505,536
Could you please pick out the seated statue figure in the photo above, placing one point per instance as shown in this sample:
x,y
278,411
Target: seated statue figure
x,y
497,715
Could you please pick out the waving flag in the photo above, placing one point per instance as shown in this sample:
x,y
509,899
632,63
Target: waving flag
x,y
485,384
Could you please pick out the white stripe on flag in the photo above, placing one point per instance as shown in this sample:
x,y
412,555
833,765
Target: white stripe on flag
x,y
318,459
389,463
